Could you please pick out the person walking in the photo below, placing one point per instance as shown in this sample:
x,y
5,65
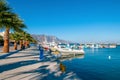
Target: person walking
x,y
41,53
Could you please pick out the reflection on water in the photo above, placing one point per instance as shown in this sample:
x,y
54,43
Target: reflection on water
x,y
80,56
63,66
94,49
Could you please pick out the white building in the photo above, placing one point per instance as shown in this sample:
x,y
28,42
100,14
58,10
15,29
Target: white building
x,y
1,33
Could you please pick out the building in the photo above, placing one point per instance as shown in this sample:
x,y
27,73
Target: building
x,y
1,33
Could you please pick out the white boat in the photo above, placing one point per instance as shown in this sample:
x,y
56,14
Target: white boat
x,y
68,50
112,46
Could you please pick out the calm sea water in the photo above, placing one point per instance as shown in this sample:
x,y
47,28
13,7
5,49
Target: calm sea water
x,y
96,64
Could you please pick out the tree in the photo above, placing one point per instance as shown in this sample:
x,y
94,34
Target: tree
x,y
15,37
8,20
26,39
1,40
29,39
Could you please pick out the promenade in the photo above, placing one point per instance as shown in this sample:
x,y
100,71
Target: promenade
x,y
25,65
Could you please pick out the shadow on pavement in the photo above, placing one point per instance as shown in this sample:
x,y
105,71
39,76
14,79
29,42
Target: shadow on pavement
x,y
8,54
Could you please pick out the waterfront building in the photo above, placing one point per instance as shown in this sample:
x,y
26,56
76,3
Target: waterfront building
x,y
1,33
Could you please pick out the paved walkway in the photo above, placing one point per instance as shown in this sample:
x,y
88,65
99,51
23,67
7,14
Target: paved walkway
x,y
25,65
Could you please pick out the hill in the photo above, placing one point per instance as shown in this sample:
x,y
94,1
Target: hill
x,y
48,38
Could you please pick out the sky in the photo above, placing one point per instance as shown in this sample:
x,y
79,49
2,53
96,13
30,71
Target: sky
x,y
73,20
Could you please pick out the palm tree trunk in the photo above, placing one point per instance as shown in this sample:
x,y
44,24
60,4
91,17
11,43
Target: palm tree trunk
x,y
28,44
15,45
6,41
21,44
24,43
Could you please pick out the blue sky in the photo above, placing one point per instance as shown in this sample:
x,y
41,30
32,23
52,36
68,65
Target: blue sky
x,y
74,20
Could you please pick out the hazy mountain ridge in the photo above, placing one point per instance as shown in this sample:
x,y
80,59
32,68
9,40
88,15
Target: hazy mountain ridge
x,y
48,38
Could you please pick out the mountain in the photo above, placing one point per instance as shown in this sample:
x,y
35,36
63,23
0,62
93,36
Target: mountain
x,y
48,38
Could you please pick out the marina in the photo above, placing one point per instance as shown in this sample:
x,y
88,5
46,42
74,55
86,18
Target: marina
x,y
97,64
59,40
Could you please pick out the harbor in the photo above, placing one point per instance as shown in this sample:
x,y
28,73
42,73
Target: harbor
x,y
59,40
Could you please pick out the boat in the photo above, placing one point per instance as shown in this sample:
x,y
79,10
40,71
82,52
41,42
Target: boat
x,y
68,50
112,46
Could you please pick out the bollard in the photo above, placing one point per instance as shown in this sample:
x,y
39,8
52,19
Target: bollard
x,y
62,67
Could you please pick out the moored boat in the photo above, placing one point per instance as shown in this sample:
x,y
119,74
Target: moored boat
x,y
68,50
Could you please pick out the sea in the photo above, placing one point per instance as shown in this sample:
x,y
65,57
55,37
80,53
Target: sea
x,y
96,64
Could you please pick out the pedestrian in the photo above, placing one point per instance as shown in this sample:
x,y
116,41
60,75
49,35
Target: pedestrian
x,y
41,53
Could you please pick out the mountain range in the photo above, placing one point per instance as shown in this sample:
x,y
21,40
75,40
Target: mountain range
x,y
48,38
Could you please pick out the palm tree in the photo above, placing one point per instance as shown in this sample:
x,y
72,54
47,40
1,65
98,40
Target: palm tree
x,y
29,39
26,38
22,38
18,37
8,20
15,37
1,40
